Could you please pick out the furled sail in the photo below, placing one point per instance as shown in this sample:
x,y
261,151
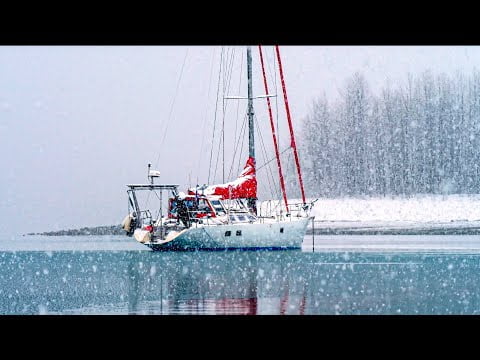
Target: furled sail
x,y
245,186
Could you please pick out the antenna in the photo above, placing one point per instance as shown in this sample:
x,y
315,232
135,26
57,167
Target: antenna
x,y
152,173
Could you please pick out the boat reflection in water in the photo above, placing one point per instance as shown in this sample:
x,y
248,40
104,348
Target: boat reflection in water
x,y
237,282
233,282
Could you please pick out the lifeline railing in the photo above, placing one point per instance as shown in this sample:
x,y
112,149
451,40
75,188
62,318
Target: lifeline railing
x,y
269,208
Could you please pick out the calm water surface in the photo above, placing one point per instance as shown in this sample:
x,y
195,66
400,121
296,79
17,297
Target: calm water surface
x,y
344,275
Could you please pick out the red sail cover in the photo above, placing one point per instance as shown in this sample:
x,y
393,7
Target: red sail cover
x,y
245,186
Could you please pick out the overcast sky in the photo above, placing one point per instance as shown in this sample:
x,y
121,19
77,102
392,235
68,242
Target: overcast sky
x,y
77,123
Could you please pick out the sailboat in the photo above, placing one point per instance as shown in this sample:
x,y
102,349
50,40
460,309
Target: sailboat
x,y
222,216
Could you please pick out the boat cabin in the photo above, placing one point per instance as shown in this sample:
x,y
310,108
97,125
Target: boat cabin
x,y
198,206
182,210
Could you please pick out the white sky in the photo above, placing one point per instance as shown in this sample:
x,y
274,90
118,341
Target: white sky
x,y
77,123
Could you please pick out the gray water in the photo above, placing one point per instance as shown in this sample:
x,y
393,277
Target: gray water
x,y
339,275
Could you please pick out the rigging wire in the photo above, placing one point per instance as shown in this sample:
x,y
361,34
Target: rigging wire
x,y
269,161
292,137
222,139
276,92
264,154
290,166
169,114
274,136
215,116
270,72
236,119
224,112
223,118
205,114
228,90
226,87
171,106
240,157
237,143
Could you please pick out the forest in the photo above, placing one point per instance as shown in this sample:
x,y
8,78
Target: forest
x,y
419,136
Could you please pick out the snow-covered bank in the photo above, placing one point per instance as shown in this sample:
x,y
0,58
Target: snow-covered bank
x,y
421,208
422,214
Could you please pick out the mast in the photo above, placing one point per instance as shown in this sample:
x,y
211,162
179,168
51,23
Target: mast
x,y
251,140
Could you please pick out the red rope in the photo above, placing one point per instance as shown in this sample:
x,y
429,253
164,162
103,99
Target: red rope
x,y
292,136
279,165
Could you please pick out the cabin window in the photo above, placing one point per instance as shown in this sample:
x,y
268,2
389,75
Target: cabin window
x,y
241,218
228,233
203,205
239,232
281,230
217,205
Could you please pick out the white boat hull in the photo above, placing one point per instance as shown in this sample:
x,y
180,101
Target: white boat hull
x,y
269,235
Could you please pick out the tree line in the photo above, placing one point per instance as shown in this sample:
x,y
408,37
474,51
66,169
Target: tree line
x,y
421,136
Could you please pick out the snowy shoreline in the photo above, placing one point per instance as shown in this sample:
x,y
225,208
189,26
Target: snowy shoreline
x,y
421,214
394,228
421,208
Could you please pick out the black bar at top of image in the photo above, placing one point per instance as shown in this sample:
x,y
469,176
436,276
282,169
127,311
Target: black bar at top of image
x,y
240,38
